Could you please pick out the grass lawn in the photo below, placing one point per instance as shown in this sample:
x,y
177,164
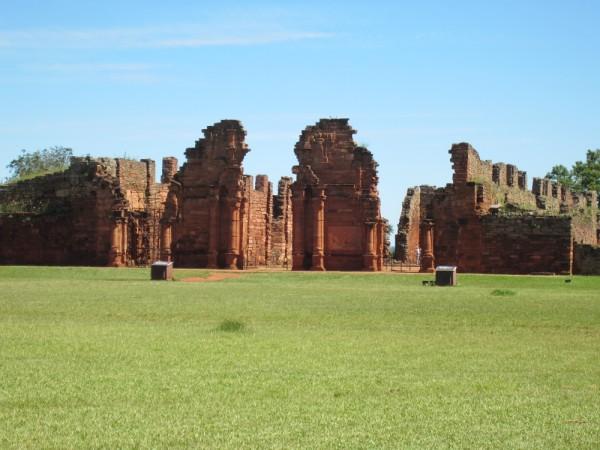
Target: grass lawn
x,y
104,358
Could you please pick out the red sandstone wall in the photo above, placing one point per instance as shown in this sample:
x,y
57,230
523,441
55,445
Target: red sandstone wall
x,y
415,208
488,215
337,224
258,234
209,229
457,230
281,225
467,165
68,218
526,244
586,259
216,216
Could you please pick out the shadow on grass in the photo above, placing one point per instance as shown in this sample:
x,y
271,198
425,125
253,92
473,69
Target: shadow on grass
x,y
503,293
231,326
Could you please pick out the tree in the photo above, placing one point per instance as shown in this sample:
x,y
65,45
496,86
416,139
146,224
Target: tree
x,y
39,162
562,175
584,176
587,174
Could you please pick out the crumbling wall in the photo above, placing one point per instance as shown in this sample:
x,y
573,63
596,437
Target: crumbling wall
x,y
208,193
216,216
462,215
586,259
467,165
337,222
69,218
281,228
526,244
415,208
259,201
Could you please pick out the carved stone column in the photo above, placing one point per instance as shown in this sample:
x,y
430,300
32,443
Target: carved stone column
x,y
213,232
318,207
233,244
298,230
269,228
166,239
380,244
244,228
125,254
116,242
369,257
427,258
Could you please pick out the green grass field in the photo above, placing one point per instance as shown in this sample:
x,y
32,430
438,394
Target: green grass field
x,y
104,358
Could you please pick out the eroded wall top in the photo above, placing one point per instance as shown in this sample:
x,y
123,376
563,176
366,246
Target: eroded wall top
x,y
223,146
328,155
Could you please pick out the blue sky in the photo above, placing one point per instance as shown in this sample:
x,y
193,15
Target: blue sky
x,y
518,80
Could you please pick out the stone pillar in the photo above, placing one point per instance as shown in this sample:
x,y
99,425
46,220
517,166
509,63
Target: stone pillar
x,y
380,244
318,207
166,240
124,241
298,230
369,257
511,171
233,244
269,226
169,169
427,258
116,242
213,232
244,232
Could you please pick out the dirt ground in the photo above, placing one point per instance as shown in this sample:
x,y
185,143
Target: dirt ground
x,y
212,277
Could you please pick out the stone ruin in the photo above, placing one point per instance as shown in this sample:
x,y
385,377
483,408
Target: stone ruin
x,y
208,213
101,211
216,216
104,211
488,221
337,222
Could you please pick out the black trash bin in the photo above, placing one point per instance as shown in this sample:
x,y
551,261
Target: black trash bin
x,y
162,270
445,276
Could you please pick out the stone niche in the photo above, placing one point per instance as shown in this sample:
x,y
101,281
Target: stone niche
x,y
336,208
216,216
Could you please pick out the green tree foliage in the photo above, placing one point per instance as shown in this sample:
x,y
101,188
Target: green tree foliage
x,y
39,162
587,173
583,176
562,175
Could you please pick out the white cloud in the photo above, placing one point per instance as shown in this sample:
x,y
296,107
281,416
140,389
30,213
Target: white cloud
x,y
95,67
119,72
153,37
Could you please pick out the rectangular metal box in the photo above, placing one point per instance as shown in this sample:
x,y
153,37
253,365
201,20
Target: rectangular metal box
x,y
162,270
445,276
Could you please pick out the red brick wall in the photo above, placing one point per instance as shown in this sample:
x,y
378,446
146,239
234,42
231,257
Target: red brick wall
x,y
408,235
212,174
586,259
258,234
337,223
67,218
488,212
206,190
526,244
281,225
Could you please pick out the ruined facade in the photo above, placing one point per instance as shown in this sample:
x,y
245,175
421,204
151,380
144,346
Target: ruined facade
x,y
100,211
216,216
337,222
104,211
208,213
488,221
